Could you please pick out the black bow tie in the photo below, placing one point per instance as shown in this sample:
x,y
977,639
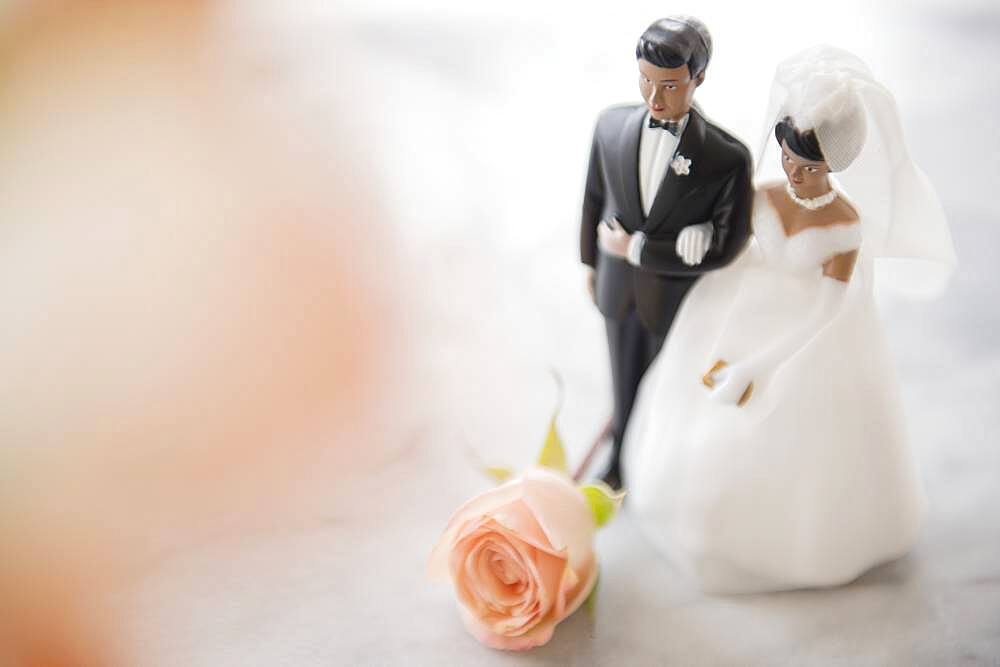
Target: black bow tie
x,y
671,126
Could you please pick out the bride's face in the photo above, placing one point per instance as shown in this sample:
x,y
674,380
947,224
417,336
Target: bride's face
x,y
808,177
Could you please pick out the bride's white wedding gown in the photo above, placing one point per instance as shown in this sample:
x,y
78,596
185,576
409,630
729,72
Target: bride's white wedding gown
x,y
811,482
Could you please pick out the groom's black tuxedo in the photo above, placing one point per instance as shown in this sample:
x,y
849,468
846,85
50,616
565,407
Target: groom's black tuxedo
x,y
717,190
639,302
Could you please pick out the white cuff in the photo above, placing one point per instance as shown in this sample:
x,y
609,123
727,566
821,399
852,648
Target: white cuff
x,y
708,229
635,248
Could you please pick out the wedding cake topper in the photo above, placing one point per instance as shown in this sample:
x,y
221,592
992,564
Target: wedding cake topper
x,y
660,208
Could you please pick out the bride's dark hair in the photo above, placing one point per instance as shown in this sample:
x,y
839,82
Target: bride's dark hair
x,y
801,143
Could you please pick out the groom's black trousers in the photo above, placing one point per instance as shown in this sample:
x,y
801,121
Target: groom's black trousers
x,y
633,348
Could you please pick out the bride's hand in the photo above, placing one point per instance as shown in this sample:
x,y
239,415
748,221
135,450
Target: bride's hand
x,y
613,238
731,382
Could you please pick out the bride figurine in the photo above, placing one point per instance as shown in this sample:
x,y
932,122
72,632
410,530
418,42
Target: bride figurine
x,y
768,449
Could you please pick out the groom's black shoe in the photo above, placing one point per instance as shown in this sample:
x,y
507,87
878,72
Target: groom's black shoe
x,y
613,476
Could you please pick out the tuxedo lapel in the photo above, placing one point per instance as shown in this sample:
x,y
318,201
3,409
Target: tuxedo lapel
x,y
628,166
674,186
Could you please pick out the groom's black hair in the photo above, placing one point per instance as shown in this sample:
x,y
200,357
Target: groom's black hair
x,y
803,144
676,41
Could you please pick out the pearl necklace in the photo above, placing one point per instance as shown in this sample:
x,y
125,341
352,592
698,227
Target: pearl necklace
x,y
813,204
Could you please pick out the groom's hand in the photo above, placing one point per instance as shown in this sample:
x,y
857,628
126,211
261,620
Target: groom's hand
x,y
693,243
613,238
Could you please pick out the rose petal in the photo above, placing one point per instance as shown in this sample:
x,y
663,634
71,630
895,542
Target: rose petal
x,y
503,571
545,570
507,582
474,592
542,632
468,584
499,593
543,578
562,512
569,581
555,520
474,508
578,594
519,518
539,635
460,557
512,626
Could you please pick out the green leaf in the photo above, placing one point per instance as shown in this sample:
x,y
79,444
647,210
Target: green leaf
x,y
604,502
499,474
553,454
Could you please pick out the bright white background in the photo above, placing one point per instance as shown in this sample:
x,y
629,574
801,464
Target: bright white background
x,y
475,122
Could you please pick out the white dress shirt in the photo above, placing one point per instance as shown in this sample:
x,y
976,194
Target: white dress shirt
x,y
656,151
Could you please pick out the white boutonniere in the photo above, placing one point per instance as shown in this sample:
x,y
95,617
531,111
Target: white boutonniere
x,y
681,165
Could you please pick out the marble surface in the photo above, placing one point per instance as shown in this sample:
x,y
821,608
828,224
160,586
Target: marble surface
x,y
456,96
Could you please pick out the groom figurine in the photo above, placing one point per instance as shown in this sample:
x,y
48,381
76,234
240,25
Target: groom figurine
x,y
668,197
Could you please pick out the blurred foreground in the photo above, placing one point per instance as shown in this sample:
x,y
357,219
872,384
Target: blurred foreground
x,y
191,316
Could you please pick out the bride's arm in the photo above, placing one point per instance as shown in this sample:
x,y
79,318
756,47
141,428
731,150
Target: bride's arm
x,y
841,267
731,382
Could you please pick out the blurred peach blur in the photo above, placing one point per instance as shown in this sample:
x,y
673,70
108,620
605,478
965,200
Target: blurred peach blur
x,y
191,315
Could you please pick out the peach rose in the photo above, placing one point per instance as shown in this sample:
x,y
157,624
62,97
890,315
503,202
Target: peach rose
x,y
520,557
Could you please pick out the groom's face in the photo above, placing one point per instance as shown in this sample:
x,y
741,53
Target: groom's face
x,y
668,91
